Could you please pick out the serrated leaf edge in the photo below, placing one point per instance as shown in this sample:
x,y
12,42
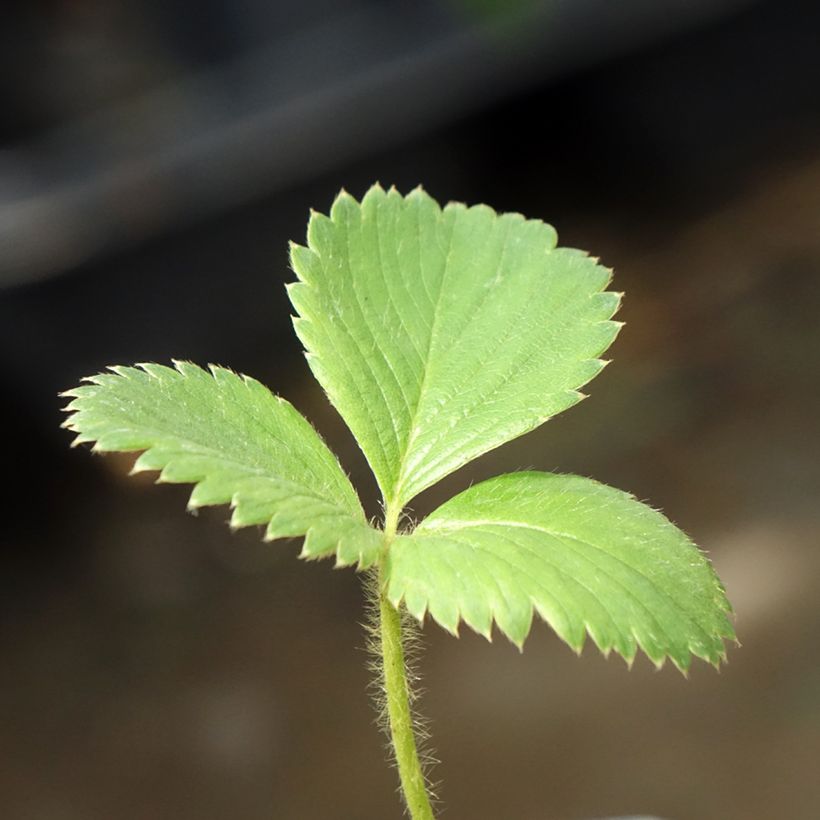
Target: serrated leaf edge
x,y
725,633
362,559
573,395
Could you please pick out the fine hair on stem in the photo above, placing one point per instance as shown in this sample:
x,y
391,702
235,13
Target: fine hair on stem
x,y
412,646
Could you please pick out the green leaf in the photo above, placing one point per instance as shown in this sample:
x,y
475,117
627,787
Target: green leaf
x,y
439,334
586,557
237,442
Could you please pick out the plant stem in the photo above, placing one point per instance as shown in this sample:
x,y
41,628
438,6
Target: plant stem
x,y
397,693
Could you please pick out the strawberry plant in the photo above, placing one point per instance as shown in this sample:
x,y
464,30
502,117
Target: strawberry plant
x,y
438,334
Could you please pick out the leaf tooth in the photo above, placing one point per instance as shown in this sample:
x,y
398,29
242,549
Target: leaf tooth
x,y
208,492
457,208
606,304
370,553
682,664
235,522
373,196
187,369
108,376
317,544
98,379
257,387
416,603
573,634
194,504
517,635
301,295
419,198
345,556
445,613
280,525
449,626
180,471
626,647
304,553
605,647
346,207
654,649
305,263
149,461
249,513
483,627
510,216
319,232
343,560
157,371
220,374
303,327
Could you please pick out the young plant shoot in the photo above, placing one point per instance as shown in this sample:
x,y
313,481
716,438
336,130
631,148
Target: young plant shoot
x,y
438,334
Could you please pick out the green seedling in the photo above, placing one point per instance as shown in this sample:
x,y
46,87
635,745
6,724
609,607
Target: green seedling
x,y
438,334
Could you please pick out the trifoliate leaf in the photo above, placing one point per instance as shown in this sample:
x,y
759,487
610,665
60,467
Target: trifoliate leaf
x,y
586,557
237,442
439,334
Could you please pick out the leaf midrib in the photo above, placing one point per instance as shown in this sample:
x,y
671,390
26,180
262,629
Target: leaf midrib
x,y
414,428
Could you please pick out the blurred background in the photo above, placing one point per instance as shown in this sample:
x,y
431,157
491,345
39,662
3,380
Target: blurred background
x,y
154,160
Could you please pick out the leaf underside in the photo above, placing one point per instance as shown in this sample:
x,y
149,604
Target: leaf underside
x,y
585,557
439,334
237,442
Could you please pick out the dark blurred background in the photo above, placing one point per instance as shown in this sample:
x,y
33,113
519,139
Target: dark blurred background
x,y
155,157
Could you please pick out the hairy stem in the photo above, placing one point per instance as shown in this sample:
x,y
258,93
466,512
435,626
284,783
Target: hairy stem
x,y
397,694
